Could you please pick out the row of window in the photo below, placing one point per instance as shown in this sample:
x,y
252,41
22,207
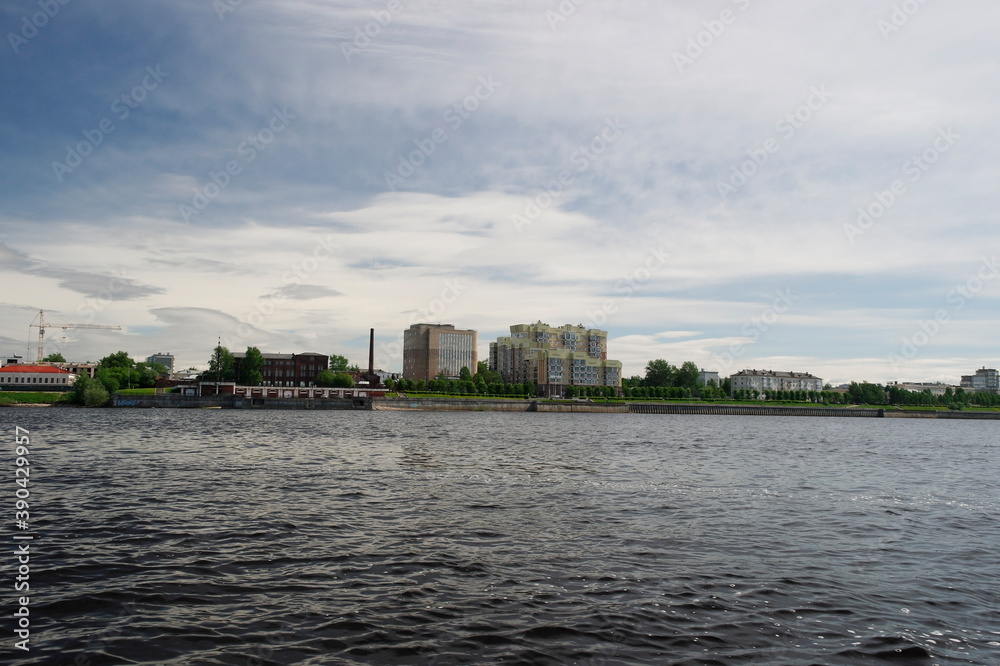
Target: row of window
x,y
32,380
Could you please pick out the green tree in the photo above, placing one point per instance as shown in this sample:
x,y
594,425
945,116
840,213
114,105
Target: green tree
x,y
659,373
464,374
221,367
687,375
338,363
250,368
117,360
94,395
54,358
330,379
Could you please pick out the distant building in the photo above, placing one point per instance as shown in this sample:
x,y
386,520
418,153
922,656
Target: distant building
x,y
935,388
24,377
89,369
11,360
432,349
769,380
706,376
985,379
166,360
555,358
288,369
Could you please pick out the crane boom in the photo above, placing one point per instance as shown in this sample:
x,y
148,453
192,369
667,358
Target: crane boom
x,y
41,326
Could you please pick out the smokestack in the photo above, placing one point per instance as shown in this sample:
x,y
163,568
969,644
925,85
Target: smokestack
x,y
371,357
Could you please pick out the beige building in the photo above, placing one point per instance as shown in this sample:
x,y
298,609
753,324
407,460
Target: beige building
x,y
769,380
432,349
554,358
985,379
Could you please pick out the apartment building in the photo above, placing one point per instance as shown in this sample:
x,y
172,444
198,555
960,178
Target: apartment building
x,y
769,380
555,357
432,349
985,379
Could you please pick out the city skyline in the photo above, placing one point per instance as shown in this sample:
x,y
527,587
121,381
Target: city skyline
x,y
741,184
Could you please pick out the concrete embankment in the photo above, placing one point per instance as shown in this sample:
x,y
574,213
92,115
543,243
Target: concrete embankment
x,y
473,405
171,400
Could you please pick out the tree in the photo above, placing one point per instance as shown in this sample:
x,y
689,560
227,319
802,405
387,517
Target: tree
x,y
489,376
338,363
89,392
687,375
330,379
117,360
54,358
250,368
464,374
221,367
659,373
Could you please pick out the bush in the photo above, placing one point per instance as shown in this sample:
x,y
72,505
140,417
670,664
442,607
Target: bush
x,y
94,395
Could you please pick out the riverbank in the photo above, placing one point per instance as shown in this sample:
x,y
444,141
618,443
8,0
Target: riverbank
x,y
470,404
176,400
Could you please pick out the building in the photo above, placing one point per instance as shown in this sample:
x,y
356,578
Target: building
x,y
935,388
79,369
288,369
706,376
432,349
11,360
24,377
554,358
769,380
985,379
166,360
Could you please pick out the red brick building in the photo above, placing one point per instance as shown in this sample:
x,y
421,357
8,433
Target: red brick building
x,y
288,369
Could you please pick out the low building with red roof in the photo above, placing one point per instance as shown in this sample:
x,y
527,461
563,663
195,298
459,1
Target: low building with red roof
x,y
23,377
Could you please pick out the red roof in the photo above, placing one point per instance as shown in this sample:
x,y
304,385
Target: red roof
x,y
35,369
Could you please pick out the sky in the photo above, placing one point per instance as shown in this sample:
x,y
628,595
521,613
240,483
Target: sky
x,y
806,186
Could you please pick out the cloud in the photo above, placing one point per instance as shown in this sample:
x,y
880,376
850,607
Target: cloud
x,y
305,292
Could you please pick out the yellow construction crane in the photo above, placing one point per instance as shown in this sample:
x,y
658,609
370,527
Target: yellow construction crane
x,y
41,326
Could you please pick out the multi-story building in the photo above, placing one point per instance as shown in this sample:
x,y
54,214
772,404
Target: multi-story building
x,y
432,349
166,360
554,358
985,379
769,380
288,369
25,377
706,376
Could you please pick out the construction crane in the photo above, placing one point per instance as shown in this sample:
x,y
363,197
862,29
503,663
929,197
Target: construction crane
x,y
41,326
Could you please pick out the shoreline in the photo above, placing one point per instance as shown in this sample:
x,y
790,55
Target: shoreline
x,y
455,404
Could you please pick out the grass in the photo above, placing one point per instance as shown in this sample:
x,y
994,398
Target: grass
x,y
137,391
31,398
462,396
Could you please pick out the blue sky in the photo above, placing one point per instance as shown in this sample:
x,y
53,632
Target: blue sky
x,y
687,176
